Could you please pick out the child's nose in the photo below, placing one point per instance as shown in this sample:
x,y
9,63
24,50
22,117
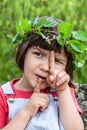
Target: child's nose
x,y
44,66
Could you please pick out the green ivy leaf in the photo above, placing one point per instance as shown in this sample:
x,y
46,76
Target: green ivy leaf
x,y
17,38
23,26
50,24
65,28
80,35
19,29
45,23
60,39
76,45
79,63
33,21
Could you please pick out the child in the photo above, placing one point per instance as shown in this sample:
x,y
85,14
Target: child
x,y
31,102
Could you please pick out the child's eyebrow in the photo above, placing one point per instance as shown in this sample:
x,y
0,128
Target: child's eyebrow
x,y
42,51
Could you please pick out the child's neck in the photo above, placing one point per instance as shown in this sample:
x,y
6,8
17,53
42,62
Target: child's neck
x,y
22,85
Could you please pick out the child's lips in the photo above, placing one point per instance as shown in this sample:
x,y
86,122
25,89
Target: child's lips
x,y
41,77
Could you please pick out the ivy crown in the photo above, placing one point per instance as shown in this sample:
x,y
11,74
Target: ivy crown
x,y
75,41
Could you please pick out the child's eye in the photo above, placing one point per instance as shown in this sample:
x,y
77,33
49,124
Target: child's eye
x,y
58,62
38,54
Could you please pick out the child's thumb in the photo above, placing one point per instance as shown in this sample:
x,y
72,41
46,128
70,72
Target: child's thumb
x,y
37,87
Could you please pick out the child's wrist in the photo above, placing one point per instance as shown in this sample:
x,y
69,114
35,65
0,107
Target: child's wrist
x,y
63,90
27,113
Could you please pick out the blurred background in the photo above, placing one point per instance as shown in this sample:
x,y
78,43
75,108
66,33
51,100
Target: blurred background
x,y
71,11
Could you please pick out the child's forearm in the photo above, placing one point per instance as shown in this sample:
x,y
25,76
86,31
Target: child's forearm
x,y
70,117
19,122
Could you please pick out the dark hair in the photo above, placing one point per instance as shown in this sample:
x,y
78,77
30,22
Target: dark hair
x,y
33,39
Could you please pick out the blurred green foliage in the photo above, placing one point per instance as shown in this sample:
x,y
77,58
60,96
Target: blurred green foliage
x,y
11,11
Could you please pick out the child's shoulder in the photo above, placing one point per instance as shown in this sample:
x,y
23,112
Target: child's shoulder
x,y
3,98
6,89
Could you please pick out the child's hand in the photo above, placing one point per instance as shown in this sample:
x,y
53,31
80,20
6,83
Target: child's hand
x,y
38,101
58,79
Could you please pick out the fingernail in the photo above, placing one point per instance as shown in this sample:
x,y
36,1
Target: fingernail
x,y
51,78
57,84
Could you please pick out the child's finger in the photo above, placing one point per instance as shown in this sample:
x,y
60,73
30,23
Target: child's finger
x,y
51,62
37,87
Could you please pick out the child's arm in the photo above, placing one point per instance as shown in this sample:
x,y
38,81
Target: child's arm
x,y
36,102
19,122
68,112
69,115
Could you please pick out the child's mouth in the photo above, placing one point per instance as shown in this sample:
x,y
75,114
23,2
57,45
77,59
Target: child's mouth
x,y
41,77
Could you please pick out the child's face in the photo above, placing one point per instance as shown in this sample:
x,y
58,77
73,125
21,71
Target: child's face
x,y
37,65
